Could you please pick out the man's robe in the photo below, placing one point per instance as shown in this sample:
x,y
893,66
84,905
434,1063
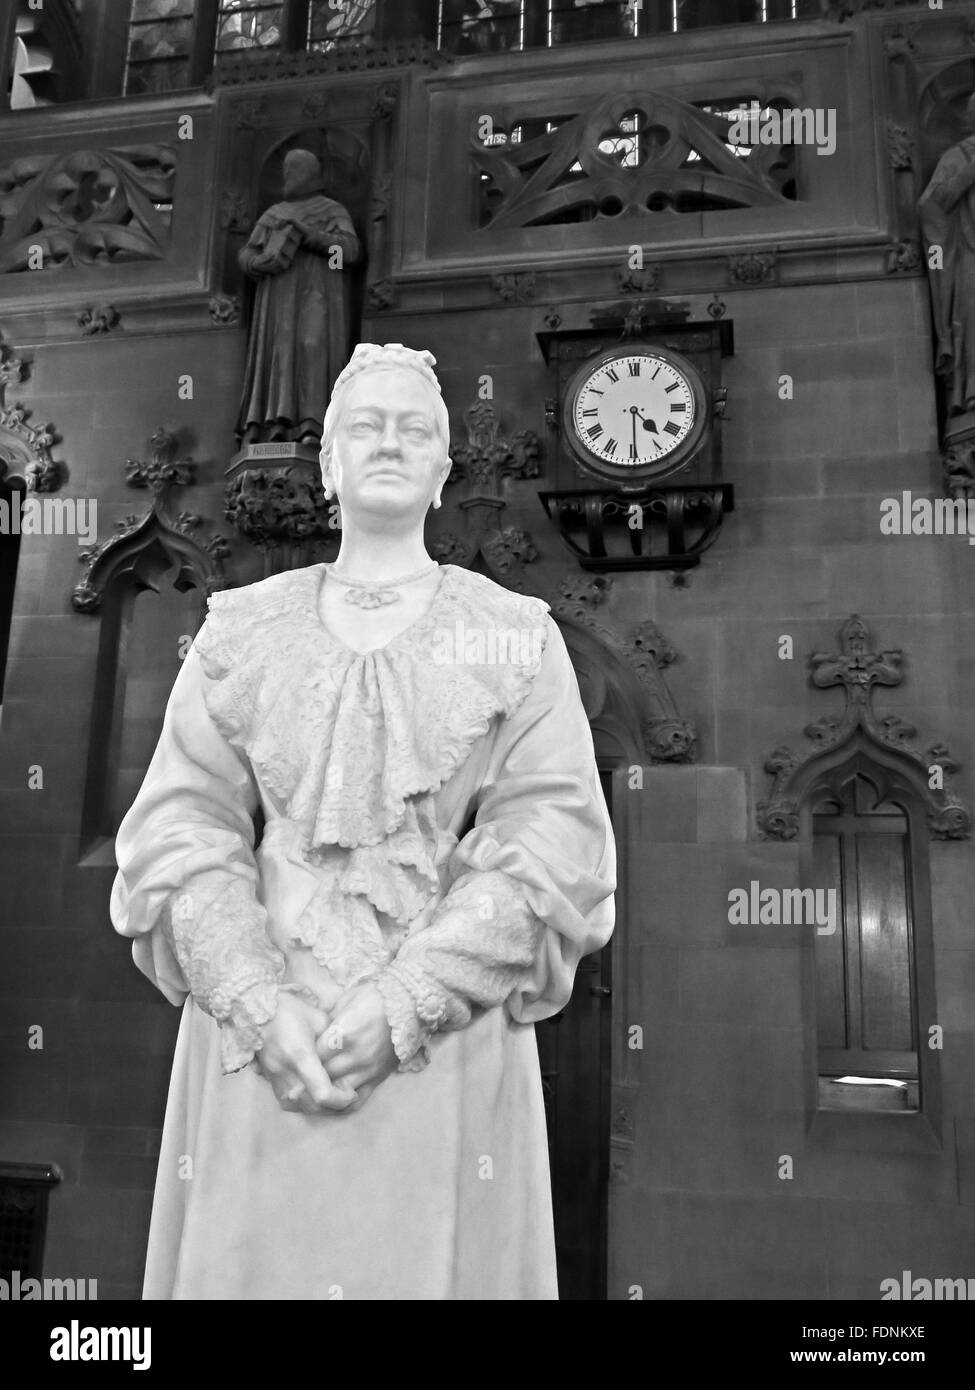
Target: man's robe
x,y
947,210
299,334
368,769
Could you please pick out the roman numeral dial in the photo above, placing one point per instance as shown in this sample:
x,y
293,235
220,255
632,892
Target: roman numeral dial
x,y
632,410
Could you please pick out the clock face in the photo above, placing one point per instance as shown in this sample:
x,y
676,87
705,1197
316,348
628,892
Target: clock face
x,y
630,412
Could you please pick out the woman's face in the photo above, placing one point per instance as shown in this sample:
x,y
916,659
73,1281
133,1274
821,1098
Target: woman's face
x,y
387,454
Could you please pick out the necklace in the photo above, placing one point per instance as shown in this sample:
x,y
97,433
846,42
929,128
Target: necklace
x,y
365,594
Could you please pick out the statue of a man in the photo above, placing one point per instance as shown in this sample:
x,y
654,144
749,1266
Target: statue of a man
x,y
356,1083
947,210
300,328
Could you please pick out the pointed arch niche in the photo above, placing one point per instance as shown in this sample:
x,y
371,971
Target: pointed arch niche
x,y
148,584
865,803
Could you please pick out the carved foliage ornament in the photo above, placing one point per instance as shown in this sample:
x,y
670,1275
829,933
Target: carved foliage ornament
x,y
90,207
200,561
483,460
677,160
644,699
887,740
25,449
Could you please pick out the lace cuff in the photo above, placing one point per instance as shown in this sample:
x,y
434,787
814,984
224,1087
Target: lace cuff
x,y
231,968
410,1022
478,948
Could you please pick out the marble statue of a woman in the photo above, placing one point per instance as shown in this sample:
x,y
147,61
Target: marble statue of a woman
x,y
356,1106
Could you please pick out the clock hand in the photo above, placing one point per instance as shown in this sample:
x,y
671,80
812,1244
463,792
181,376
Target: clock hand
x,y
633,415
647,424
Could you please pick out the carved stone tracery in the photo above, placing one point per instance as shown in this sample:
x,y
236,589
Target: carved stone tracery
x,y
89,207
526,184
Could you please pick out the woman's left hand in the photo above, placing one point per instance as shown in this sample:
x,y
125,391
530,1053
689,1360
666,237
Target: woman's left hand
x,y
357,1047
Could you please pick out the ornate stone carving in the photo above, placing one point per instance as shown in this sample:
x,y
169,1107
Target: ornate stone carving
x,y
25,449
314,107
639,281
379,202
514,287
386,102
449,549
509,548
200,561
275,66
483,461
235,211
485,458
717,308
905,258
959,470
89,207
637,697
886,740
647,178
225,309
250,113
280,504
632,319
842,10
97,318
752,268
382,294
900,146
899,40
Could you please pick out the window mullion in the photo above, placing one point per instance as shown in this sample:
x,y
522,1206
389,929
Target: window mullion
x,y
204,40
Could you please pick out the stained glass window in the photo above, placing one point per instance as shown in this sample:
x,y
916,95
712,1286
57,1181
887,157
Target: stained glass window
x,y
248,24
331,21
160,39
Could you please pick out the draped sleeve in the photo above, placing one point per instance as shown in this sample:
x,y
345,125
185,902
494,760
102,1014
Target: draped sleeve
x,y
187,891
328,225
532,881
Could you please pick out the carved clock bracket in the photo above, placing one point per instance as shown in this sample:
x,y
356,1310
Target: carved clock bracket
x,y
137,538
886,740
661,499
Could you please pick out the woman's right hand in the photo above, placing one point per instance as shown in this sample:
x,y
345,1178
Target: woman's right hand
x,y
290,1063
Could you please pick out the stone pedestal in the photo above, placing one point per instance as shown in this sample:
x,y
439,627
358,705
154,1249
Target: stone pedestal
x,y
274,497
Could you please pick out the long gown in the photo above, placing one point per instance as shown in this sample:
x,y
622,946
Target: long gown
x,y
947,212
299,334
367,768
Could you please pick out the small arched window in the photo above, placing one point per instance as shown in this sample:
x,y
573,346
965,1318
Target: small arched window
x,y
866,851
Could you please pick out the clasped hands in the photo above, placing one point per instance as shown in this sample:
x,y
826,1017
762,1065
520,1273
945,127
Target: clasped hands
x,y
318,1062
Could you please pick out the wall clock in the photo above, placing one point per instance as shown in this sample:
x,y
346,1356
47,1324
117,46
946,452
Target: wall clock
x,y
635,413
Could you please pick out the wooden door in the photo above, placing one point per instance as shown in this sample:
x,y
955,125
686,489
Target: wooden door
x,y
574,1051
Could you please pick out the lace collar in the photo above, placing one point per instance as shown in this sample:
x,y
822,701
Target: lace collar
x,y
352,744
